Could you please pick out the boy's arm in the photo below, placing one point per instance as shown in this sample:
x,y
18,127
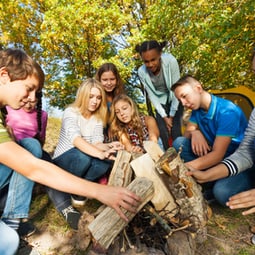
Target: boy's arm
x,y
213,157
17,158
199,144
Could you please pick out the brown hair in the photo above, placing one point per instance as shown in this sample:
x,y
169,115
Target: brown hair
x,y
19,65
187,79
106,67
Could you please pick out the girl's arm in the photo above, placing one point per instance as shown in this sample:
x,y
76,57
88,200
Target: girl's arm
x,y
152,128
90,149
129,146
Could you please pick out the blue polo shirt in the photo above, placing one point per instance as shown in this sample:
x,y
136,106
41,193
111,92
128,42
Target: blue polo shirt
x,y
224,118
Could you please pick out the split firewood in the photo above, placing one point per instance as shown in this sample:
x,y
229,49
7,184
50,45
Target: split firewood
x,y
153,150
162,199
121,172
108,224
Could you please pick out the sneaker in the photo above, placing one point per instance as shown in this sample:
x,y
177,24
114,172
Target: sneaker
x,y
72,217
26,228
26,248
253,239
78,200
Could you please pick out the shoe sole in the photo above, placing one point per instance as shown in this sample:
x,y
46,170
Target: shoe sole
x,y
78,202
29,234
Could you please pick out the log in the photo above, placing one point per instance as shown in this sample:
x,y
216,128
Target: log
x,y
108,224
121,172
186,192
153,150
144,166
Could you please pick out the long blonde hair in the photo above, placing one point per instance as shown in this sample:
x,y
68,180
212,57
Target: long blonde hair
x,y
118,128
82,99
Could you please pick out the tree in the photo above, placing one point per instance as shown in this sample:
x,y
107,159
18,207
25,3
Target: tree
x,y
71,38
211,39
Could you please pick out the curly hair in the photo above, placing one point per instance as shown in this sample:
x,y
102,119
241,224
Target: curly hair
x,y
149,45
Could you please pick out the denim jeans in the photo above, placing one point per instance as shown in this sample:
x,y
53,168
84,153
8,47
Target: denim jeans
x,y
79,164
184,144
9,240
20,188
224,188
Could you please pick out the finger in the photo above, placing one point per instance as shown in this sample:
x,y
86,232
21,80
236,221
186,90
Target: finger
x,y
120,213
250,211
239,203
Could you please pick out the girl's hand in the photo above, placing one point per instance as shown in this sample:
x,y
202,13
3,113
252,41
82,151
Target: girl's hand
x,y
116,146
169,123
136,149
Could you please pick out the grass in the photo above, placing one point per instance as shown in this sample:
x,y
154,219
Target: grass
x,y
228,231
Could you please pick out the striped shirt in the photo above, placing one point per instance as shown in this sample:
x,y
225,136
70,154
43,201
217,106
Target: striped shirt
x,y
75,125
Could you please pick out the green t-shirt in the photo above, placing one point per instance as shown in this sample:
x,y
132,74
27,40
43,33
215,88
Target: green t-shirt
x,y
4,135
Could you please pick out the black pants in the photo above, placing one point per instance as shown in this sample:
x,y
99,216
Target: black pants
x,y
176,129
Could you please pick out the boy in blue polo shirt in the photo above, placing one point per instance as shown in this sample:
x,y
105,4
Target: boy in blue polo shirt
x,y
214,131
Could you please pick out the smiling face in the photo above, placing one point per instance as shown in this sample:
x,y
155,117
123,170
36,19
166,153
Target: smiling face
x,y
189,95
123,111
95,99
151,59
108,81
30,106
17,93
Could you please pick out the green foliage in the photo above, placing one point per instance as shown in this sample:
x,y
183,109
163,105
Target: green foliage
x,y
212,40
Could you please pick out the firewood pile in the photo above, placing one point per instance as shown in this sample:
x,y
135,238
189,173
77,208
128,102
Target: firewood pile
x,y
172,216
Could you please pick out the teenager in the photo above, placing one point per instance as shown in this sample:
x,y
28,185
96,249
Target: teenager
x,y
109,77
158,73
129,126
211,134
81,149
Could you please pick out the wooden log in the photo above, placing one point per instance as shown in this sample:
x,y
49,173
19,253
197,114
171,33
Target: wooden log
x,y
144,166
185,190
108,224
153,150
121,172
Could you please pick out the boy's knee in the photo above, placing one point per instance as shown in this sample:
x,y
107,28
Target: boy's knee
x,y
179,142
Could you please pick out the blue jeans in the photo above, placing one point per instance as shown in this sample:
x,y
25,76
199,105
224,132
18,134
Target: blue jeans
x,y
79,164
9,240
20,188
221,189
